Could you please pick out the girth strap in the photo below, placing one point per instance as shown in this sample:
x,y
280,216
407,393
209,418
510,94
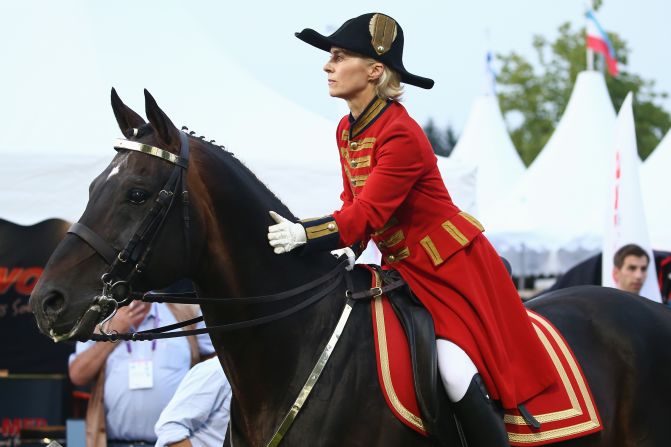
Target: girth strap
x,y
289,418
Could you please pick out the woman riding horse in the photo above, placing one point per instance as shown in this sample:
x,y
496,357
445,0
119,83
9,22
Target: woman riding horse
x,y
278,320
393,193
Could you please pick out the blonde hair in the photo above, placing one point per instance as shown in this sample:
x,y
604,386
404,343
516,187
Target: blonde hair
x,y
389,85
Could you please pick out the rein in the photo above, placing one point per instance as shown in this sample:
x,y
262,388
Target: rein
x,y
163,331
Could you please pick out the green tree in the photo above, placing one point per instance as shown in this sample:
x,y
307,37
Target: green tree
x,y
535,101
442,141
433,134
451,139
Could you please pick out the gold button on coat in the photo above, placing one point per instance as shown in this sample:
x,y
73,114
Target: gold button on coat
x,y
353,144
331,226
391,258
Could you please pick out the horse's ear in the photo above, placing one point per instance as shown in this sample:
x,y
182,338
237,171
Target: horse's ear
x,y
125,116
164,128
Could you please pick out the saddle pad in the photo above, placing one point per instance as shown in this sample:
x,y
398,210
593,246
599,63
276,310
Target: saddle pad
x,y
394,368
565,410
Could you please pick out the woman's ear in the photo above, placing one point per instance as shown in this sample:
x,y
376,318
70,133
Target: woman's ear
x,y
375,71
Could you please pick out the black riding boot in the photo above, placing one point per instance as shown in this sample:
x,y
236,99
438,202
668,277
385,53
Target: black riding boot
x,y
481,422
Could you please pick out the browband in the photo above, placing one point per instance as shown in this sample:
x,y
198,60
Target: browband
x,y
120,143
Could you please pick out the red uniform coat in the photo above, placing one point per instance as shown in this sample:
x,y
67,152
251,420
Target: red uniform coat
x,y
394,194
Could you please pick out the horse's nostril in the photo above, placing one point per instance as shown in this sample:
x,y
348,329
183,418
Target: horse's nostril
x,y
53,303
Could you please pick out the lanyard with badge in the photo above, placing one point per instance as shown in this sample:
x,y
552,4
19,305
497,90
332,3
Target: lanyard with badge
x,y
141,371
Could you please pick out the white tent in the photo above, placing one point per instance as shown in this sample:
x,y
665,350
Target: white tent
x,y
655,188
624,219
460,178
62,125
554,216
486,144
35,187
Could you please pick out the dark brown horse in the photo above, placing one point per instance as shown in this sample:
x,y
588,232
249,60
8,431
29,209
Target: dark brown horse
x,y
622,342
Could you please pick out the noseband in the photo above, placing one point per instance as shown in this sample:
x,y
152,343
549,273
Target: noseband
x,y
125,264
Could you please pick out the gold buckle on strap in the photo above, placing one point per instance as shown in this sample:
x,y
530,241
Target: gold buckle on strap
x,y
120,143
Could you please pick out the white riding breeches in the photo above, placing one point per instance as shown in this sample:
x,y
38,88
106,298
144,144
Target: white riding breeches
x,y
456,369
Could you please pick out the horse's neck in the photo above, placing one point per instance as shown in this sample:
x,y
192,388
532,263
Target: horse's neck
x,y
265,363
268,364
236,257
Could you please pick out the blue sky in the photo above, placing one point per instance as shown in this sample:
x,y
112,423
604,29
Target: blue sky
x,y
62,57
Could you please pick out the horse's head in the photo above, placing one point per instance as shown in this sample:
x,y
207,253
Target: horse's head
x,y
136,205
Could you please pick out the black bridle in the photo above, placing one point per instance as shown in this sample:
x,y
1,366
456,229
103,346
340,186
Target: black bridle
x,y
127,263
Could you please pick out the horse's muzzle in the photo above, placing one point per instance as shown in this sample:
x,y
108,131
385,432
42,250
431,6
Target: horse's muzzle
x,y
82,329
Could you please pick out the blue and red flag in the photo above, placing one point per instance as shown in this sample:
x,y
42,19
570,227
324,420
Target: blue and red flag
x,y
598,40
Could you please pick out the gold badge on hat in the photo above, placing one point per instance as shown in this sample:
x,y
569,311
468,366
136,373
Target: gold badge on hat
x,y
383,30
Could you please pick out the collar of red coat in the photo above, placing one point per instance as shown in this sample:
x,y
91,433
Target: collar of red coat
x,y
372,111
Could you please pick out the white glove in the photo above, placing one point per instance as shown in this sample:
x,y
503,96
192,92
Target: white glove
x,y
286,235
351,257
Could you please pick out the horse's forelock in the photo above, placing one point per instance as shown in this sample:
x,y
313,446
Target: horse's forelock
x,y
139,132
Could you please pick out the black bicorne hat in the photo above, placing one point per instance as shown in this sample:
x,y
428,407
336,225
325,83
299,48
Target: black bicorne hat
x,y
374,35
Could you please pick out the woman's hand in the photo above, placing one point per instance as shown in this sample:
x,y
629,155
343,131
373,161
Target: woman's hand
x,y
285,235
351,257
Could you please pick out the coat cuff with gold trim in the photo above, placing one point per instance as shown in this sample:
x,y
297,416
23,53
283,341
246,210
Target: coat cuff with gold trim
x,y
322,234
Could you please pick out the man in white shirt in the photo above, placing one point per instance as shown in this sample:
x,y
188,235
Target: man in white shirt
x,y
198,413
140,378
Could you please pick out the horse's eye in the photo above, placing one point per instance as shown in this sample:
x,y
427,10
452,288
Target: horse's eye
x,y
137,196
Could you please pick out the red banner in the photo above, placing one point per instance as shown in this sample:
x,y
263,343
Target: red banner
x,y
24,250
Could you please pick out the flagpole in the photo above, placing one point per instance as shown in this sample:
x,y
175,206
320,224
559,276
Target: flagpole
x,y
490,75
590,52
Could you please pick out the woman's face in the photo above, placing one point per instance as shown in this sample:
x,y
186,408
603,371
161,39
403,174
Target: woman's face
x,y
349,76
